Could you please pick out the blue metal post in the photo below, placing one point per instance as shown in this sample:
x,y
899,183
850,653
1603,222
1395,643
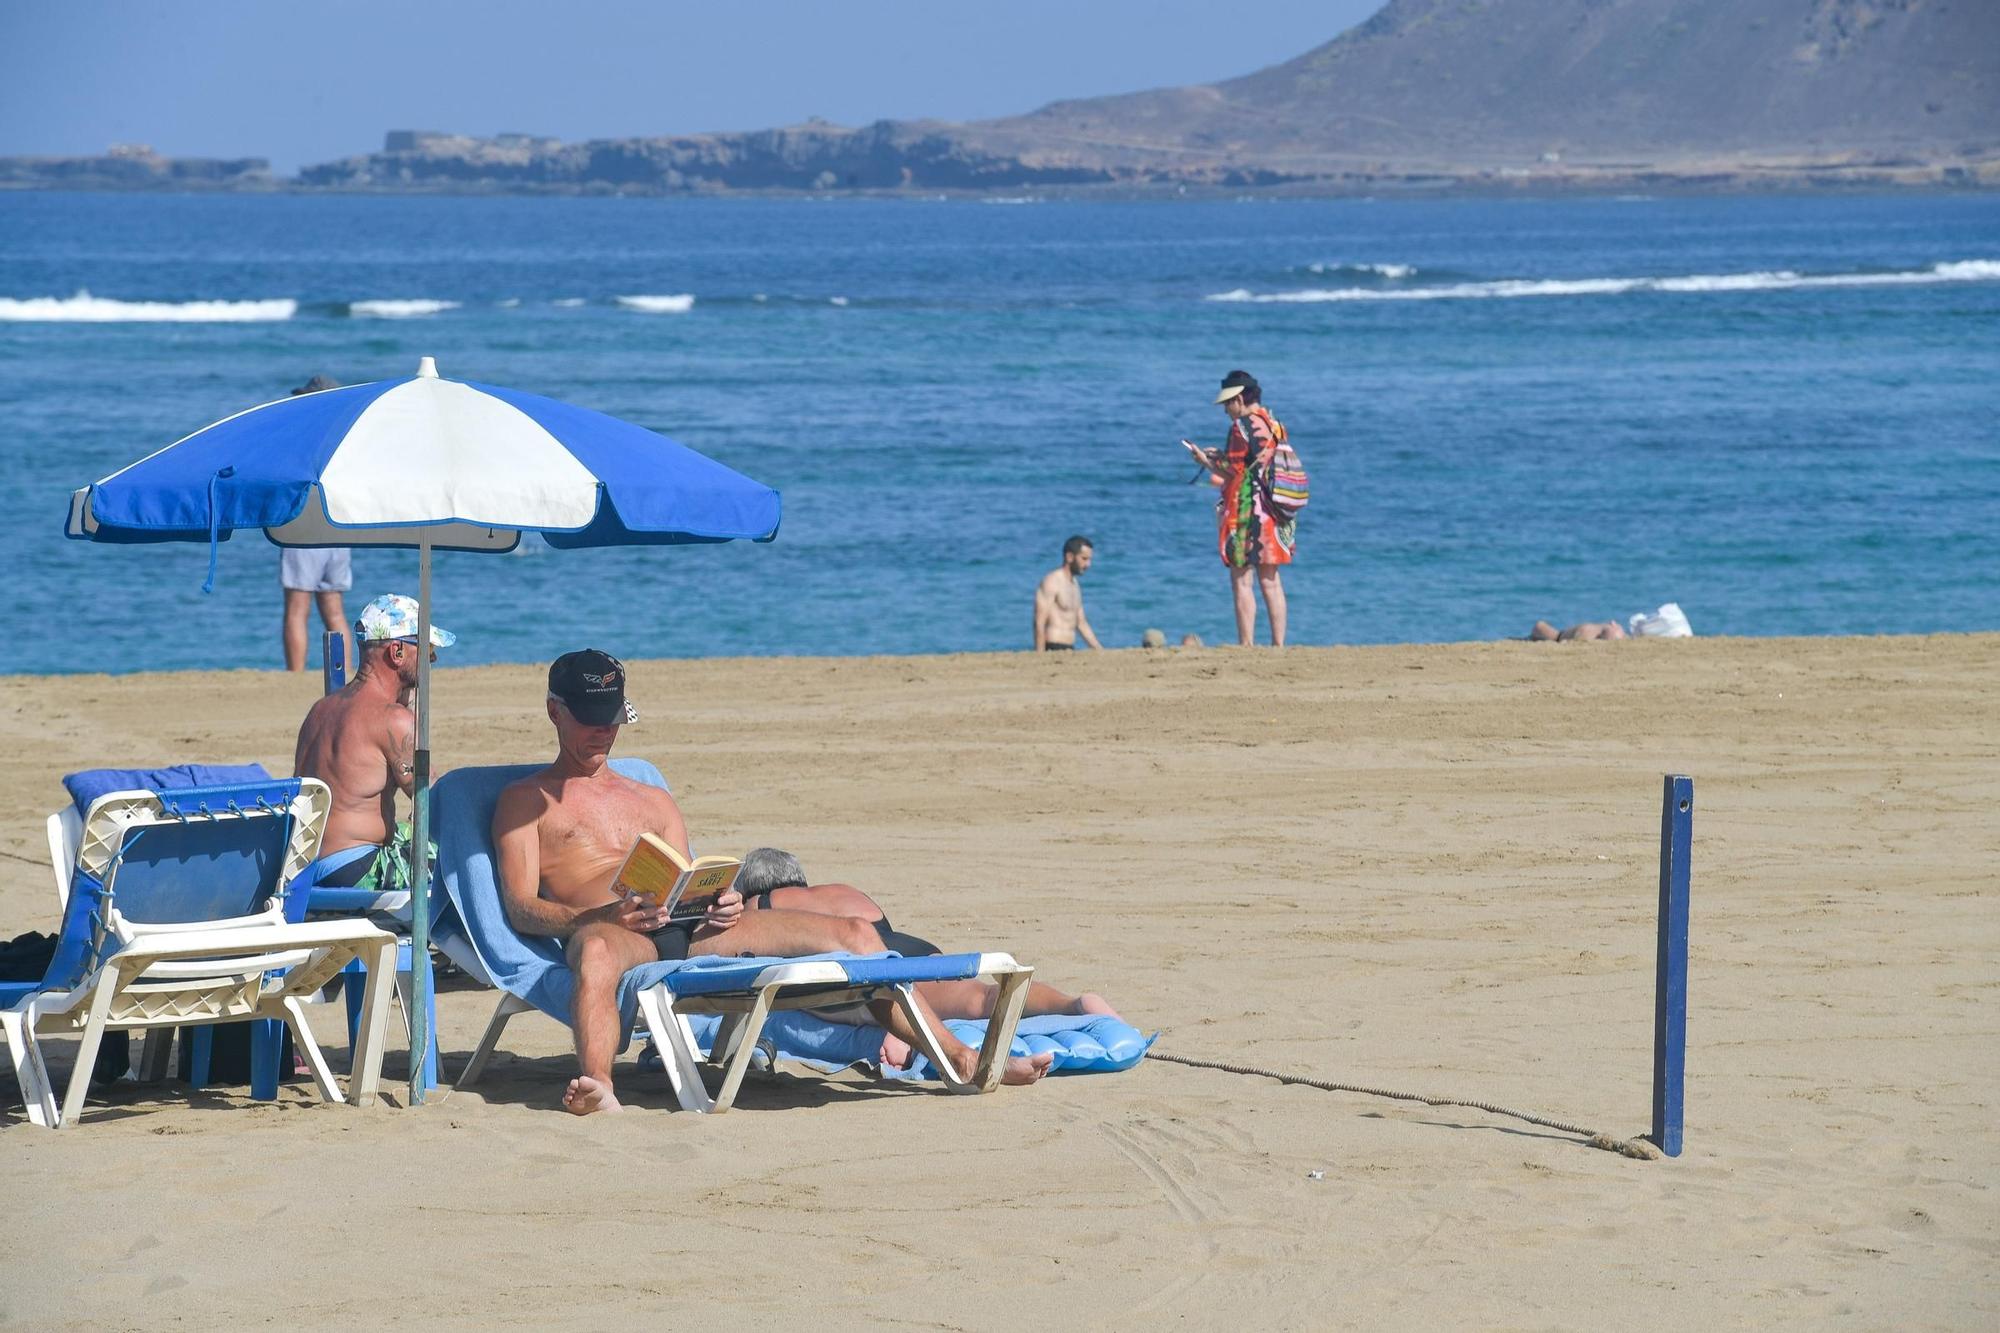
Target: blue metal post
x,y
333,660
1670,984
267,1037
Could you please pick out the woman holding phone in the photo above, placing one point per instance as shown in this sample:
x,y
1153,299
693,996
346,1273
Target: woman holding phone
x,y
1252,538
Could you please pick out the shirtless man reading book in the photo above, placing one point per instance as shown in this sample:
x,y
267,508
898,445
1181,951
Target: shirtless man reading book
x,y
560,836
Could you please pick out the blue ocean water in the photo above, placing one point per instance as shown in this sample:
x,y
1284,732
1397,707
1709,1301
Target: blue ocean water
x,y
1782,413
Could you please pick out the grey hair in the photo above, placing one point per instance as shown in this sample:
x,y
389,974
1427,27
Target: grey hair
x,y
768,868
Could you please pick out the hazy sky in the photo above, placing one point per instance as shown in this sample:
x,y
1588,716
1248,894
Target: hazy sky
x,y
306,82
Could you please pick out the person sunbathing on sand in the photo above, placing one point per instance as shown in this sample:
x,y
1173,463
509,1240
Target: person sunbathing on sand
x,y
560,836
1586,632
774,878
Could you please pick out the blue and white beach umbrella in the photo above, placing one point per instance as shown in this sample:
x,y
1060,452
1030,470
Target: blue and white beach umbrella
x,y
432,464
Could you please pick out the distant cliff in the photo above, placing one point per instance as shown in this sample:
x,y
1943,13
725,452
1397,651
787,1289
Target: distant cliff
x,y
887,155
136,167
1428,94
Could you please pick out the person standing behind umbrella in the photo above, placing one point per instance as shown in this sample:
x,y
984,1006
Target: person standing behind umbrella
x,y
314,574
1251,537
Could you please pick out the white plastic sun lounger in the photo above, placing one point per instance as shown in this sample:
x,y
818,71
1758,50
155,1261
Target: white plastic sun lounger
x,y
176,916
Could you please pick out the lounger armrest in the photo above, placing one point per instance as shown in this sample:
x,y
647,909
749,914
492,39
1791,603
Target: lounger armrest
x,y
161,946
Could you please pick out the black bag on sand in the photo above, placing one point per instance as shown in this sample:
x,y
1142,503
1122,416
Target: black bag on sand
x,y
27,958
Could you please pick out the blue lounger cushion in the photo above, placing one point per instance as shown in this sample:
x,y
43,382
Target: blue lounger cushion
x,y
706,974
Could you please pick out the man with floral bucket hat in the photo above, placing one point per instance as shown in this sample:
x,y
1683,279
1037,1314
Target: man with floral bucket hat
x,y
361,742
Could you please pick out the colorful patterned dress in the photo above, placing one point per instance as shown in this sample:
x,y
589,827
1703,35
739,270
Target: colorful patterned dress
x,y
1249,534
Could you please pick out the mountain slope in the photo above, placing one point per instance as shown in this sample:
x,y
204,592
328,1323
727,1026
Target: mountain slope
x,y
1467,83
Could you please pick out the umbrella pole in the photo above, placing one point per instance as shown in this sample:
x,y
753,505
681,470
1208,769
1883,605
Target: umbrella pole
x,y
421,1035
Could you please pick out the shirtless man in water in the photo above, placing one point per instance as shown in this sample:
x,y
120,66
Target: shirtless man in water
x,y
560,836
1059,616
361,740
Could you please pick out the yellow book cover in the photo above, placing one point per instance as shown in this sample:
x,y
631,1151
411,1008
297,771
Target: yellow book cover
x,y
652,870
656,871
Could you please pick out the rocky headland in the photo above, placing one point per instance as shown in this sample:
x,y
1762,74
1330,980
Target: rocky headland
x,y
1428,95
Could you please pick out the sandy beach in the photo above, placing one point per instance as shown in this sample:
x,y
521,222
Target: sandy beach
x,y
1429,868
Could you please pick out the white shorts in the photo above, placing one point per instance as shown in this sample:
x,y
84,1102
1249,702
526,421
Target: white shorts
x,y
315,569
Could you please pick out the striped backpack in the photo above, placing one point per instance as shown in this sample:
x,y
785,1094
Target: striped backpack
x,y
1283,483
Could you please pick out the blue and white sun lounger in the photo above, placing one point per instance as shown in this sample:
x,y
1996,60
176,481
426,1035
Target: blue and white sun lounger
x,y
745,992
177,915
754,996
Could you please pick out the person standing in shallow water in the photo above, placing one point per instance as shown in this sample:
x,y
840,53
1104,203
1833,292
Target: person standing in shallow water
x,y
314,575
1252,539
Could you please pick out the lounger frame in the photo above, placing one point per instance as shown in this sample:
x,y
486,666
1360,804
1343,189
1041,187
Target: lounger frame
x,y
809,984
816,984
165,974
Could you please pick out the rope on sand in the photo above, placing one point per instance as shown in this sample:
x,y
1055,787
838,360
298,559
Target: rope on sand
x,y
1635,1148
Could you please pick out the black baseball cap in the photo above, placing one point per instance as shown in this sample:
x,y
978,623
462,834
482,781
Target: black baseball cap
x,y
591,684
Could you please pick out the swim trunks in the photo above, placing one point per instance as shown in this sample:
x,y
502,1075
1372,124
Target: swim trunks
x,y
671,941
382,870
316,569
349,873
1058,647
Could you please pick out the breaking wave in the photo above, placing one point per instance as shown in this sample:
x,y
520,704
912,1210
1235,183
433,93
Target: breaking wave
x,y
85,308
1963,270
1394,272
406,309
658,305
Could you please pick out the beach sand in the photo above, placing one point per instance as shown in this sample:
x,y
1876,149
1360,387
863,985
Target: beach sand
x,y
1430,868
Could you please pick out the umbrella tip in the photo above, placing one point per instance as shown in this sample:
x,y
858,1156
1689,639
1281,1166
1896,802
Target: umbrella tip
x,y
427,368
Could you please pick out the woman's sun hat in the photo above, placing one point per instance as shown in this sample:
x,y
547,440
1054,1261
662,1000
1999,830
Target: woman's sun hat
x,y
1234,383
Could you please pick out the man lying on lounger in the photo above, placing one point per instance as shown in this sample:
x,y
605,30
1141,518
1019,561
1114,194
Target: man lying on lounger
x,y
560,835
773,877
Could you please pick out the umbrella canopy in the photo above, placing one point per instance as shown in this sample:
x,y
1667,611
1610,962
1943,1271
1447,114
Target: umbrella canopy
x,y
434,464
404,462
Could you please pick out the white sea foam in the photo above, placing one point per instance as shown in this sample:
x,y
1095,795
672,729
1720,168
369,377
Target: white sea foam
x,y
1393,272
836,300
85,308
567,302
413,308
678,304
509,303
1964,270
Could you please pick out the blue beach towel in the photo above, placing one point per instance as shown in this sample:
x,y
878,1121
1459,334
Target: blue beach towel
x,y
91,783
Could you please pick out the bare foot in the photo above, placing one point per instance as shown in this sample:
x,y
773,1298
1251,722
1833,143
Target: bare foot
x,y
1090,1002
585,1095
1027,1068
896,1053
1018,1069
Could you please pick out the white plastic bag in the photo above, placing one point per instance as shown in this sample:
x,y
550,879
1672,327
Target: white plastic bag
x,y
1669,622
